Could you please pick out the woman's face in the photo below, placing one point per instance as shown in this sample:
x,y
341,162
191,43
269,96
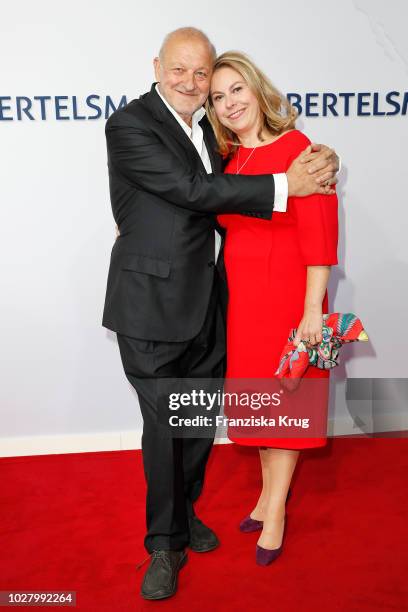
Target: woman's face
x,y
235,105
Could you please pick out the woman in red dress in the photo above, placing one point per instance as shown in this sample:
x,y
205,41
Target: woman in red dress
x,y
277,270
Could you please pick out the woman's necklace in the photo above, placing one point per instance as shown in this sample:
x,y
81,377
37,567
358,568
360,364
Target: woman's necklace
x,y
239,168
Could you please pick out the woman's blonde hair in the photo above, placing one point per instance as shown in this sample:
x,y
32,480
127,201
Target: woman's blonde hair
x,y
278,114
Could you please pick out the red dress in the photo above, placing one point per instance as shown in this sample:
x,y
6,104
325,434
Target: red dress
x,y
266,263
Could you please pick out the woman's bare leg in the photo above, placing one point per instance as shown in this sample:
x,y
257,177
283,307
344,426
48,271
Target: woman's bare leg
x,y
258,513
280,464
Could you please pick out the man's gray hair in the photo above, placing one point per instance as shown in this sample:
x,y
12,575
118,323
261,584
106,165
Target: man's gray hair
x,y
190,32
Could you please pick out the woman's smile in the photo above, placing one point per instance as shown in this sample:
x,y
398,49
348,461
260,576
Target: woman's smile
x,y
236,114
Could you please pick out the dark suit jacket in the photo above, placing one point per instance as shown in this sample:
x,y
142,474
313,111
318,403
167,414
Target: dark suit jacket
x,y
164,203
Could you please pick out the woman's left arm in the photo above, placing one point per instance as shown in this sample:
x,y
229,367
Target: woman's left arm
x,y
310,327
317,234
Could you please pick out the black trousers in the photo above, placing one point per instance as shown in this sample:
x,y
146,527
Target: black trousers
x,y
174,467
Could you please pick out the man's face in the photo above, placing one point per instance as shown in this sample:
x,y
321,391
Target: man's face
x,y
184,75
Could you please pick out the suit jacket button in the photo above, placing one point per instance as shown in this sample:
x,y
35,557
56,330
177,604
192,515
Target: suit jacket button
x,y
211,264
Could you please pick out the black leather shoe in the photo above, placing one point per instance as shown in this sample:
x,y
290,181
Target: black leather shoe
x,y
202,538
160,580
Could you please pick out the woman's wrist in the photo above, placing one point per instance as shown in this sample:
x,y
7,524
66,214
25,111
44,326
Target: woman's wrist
x,y
313,308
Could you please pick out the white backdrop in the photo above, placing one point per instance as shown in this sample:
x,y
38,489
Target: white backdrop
x,y
61,371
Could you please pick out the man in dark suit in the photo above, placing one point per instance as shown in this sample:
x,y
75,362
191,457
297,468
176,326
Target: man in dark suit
x,y
166,291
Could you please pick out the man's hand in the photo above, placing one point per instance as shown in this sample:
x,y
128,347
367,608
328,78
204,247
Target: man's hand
x,y
313,171
117,232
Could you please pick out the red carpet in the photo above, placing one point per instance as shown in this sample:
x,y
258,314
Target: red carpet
x,y
76,522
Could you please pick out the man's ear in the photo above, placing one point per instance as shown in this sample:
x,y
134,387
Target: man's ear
x,y
156,66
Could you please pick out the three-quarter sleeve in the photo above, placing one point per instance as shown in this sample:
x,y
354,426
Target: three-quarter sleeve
x,y
316,218
317,228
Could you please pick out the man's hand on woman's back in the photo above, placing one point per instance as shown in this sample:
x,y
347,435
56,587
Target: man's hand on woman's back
x,y
313,171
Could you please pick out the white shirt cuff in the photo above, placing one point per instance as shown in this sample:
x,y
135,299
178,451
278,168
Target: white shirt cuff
x,y
281,193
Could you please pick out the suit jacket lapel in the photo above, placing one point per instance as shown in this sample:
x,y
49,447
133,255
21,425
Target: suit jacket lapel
x,y
162,114
211,144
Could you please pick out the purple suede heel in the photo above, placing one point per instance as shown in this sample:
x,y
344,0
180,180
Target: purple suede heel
x,y
265,556
248,524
